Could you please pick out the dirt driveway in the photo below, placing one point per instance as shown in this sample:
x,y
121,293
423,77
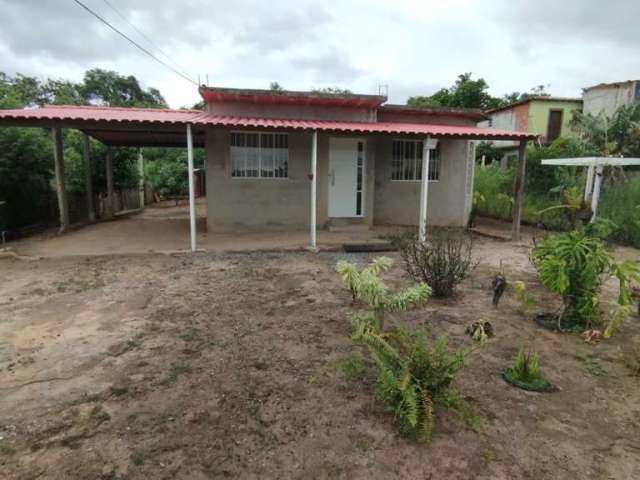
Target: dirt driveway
x,y
237,366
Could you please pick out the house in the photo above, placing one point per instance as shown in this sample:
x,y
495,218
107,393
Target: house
x,y
283,160
546,117
608,97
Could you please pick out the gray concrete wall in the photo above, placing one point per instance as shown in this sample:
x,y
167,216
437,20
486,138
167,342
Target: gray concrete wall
x,y
608,98
390,116
397,202
235,203
308,112
274,203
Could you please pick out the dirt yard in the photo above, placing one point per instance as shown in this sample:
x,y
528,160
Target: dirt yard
x,y
237,366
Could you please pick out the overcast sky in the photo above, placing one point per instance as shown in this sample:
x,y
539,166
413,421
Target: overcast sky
x,y
413,46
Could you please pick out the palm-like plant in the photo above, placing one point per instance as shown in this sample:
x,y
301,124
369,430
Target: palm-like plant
x,y
367,286
574,265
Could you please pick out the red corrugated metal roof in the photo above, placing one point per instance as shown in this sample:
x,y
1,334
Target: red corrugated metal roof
x,y
88,117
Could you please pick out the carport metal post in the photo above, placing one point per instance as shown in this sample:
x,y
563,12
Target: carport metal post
x,y
428,145
192,194
599,172
86,153
313,175
61,189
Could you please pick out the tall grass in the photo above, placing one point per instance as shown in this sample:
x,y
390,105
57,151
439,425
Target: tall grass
x,y
618,203
621,205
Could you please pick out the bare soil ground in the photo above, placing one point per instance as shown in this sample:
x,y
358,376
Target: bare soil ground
x,y
236,366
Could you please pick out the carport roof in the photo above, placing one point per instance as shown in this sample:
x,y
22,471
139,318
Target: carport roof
x,y
163,127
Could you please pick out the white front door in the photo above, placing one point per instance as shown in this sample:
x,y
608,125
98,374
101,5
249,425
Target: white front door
x,y
346,177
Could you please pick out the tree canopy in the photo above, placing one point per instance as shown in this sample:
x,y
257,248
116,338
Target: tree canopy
x,y
26,157
469,93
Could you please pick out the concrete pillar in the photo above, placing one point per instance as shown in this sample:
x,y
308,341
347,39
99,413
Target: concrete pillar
x,y
597,185
86,154
61,189
424,191
110,204
518,191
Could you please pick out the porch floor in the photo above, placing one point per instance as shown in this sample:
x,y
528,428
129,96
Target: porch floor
x,y
165,228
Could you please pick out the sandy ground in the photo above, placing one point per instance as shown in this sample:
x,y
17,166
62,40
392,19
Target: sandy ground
x,y
229,366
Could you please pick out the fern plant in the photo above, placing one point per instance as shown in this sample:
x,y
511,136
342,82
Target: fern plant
x,y
413,375
367,286
575,265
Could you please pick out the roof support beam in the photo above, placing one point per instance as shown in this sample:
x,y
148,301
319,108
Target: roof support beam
x,y
88,179
313,177
518,191
428,145
61,189
109,209
192,196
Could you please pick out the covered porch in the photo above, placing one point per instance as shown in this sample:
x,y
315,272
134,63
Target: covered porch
x,y
117,127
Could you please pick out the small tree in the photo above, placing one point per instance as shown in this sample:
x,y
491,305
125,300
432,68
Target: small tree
x,y
367,286
167,177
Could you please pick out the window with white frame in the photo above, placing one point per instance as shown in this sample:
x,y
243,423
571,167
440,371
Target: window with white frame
x,y
406,161
259,155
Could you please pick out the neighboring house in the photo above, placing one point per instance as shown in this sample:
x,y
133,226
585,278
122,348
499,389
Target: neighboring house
x,y
299,159
608,97
544,116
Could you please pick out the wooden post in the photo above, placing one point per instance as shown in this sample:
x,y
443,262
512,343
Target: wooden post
x,y
109,205
518,191
61,189
141,179
86,153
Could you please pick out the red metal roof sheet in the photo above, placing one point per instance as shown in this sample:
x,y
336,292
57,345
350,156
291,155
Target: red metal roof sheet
x,y
88,117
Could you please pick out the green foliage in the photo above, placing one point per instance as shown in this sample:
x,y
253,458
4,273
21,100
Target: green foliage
x,y
465,93
526,372
26,157
414,375
522,295
616,135
166,177
575,265
442,262
352,366
367,286
333,91
490,152
276,87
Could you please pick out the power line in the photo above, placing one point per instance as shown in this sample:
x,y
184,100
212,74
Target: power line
x,y
143,35
140,47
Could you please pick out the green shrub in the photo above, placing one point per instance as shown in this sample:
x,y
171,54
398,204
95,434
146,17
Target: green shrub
x,y
442,262
414,375
526,373
575,265
166,177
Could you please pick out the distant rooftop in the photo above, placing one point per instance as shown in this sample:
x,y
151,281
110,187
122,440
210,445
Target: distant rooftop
x,y
473,113
539,98
613,84
287,97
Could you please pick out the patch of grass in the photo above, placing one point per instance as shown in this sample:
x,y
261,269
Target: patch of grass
x,y
6,449
176,370
593,365
351,366
489,456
